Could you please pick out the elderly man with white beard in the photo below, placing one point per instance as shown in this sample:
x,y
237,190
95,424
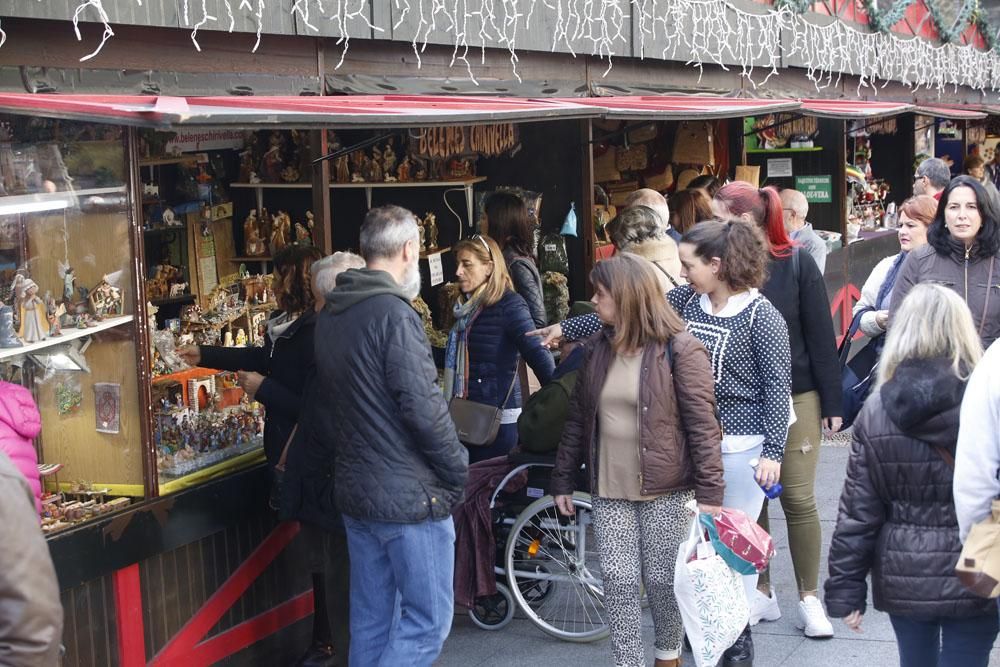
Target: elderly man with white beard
x,y
399,467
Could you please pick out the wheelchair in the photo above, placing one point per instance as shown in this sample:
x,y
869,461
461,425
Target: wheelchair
x,y
547,565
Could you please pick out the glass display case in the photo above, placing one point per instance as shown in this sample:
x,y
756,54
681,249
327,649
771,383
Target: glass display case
x,y
67,324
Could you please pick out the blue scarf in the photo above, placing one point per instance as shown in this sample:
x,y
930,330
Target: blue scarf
x,y
456,358
885,291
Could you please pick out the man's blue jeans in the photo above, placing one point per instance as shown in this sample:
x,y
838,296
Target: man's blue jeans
x,y
413,563
945,642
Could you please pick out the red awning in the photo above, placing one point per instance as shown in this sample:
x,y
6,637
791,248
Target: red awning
x,y
680,107
847,109
952,112
358,111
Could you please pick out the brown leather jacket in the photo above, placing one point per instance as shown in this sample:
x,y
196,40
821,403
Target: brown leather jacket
x,y
679,435
971,277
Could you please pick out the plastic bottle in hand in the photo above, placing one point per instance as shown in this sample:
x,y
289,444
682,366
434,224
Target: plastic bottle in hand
x,y
775,489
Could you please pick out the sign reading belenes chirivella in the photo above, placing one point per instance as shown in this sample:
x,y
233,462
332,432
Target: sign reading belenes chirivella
x,y
446,142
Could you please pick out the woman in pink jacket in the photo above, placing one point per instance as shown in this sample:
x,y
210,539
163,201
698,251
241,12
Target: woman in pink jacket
x,y
19,424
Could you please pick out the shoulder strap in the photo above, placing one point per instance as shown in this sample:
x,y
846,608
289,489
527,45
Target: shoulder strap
x,y
946,455
667,274
989,290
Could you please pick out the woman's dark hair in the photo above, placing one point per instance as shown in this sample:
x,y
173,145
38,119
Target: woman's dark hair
x,y
706,182
740,247
509,222
988,238
688,208
292,274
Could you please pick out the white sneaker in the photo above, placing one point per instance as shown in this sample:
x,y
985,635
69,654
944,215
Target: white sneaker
x,y
764,607
812,619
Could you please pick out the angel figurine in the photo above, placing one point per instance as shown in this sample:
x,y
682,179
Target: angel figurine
x,y
430,222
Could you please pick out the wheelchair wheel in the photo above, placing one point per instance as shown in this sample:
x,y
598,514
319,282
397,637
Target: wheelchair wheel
x,y
554,570
493,612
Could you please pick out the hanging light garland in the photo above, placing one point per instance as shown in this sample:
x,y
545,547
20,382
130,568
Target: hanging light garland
x,y
714,32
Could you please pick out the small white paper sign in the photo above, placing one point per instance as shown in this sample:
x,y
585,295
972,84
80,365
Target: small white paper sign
x,y
779,167
437,271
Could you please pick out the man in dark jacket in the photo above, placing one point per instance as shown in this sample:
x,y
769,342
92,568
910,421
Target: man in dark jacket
x,y
399,465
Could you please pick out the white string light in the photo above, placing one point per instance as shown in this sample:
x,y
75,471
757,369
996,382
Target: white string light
x,y
704,31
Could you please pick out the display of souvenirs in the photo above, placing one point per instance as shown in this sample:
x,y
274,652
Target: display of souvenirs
x,y
202,420
272,163
80,503
33,321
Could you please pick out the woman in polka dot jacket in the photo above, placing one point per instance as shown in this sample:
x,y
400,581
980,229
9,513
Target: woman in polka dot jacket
x,y
747,341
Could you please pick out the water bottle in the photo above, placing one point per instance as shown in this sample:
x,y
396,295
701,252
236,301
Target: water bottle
x,y
775,490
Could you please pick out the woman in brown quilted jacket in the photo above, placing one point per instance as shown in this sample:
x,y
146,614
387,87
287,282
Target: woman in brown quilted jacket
x,y
650,445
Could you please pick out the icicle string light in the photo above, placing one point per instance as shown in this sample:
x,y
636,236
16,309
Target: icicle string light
x,y
714,32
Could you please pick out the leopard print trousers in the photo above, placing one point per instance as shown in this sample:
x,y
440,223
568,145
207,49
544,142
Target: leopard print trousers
x,y
640,539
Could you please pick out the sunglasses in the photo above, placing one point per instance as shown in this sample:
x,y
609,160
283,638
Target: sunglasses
x,y
485,245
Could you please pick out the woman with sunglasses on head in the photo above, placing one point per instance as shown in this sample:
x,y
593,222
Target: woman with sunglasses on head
x,y
961,253
488,337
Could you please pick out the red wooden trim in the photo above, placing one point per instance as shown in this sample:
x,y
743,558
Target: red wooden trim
x,y
844,302
246,633
128,611
179,649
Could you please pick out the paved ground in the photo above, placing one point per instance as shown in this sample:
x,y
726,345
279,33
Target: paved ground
x,y
777,644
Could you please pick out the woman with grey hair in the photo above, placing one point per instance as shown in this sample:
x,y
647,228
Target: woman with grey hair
x,y
639,230
326,270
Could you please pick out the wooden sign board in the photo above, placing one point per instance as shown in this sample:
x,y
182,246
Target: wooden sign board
x,y
441,143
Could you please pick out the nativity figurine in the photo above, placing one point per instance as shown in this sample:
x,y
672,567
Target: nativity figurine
x,y
34,323
280,232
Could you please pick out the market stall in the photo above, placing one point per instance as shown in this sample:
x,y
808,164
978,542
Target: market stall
x,y
132,225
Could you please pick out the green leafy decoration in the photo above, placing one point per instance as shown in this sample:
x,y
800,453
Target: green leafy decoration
x,y
882,20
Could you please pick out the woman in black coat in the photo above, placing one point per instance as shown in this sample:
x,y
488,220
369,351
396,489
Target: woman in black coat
x,y
275,375
897,517
508,222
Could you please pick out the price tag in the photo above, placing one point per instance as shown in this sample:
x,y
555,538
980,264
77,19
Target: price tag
x,y
437,271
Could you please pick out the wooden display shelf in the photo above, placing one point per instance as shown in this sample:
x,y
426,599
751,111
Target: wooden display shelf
x,y
266,186
760,151
152,162
436,251
258,258
465,184
166,301
67,335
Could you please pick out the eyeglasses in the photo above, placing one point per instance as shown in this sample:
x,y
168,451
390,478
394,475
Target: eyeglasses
x,y
485,245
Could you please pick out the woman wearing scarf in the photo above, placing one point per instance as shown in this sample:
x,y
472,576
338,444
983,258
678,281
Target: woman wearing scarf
x,y
491,321
915,215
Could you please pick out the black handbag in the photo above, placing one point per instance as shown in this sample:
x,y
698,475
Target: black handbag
x,y
858,374
477,424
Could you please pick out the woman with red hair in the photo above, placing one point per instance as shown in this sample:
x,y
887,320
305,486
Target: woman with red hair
x,y
795,286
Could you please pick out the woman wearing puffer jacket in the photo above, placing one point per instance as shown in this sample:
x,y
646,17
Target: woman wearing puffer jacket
x,y
897,517
19,424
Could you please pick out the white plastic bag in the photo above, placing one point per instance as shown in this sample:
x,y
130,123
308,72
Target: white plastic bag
x,y
711,598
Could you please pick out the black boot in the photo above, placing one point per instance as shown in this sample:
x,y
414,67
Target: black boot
x,y
318,655
740,654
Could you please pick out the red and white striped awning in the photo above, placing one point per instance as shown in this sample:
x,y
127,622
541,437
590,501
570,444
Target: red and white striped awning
x,y
848,109
683,107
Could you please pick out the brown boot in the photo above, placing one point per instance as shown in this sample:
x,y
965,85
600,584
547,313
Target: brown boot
x,y
673,662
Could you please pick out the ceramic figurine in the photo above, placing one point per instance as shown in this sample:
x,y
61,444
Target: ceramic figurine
x,y
403,172
375,171
290,174
53,312
170,220
253,244
7,337
423,236
69,284
430,221
17,291
388,159
271,164
266,224
280,232
254,178
342,170
246,165
34,323
228,340
241,338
